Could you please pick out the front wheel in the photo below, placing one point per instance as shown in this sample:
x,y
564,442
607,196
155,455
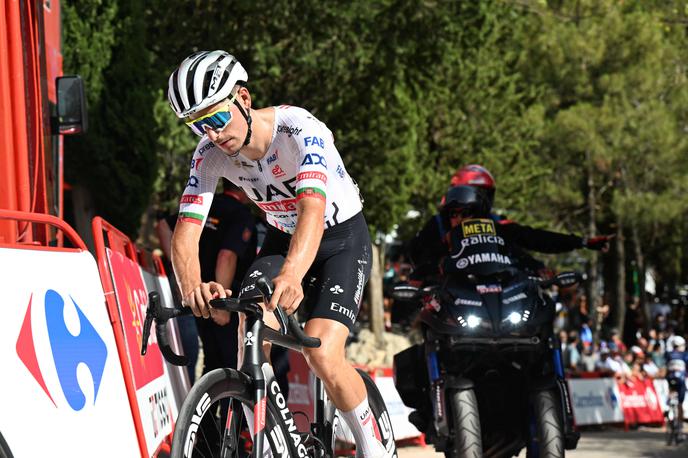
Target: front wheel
x,y
467,441
202,428
548,425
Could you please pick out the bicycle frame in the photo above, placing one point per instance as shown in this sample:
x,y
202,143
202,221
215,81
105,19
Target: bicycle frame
x,y
265,385
259,374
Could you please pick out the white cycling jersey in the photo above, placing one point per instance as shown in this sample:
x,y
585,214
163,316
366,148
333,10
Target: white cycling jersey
x,y
301,161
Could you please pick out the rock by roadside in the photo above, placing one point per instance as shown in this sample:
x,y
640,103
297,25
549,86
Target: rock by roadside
x,y
365,351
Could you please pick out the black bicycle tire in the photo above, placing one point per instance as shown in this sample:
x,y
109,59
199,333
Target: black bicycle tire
x,y
380,414
217,385
5,451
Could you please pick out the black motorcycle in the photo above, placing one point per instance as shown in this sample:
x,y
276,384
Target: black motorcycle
x,y
494,380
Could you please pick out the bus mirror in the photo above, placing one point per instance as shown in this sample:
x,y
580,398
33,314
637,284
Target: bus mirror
x,y
71,117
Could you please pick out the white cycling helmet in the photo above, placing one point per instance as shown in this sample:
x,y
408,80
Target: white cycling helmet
x,y
678,341
203,79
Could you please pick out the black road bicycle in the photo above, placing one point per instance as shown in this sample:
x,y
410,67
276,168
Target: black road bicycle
x,y
211,416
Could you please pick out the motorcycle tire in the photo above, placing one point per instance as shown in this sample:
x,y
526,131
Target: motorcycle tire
x,y
549,425
467,440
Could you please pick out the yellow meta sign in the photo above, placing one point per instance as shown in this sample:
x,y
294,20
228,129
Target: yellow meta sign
x,y
472,227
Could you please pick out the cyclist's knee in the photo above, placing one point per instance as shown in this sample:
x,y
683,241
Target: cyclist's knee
x,y
325,363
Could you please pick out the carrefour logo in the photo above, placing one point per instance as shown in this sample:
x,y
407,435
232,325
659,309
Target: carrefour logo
x,y
68,350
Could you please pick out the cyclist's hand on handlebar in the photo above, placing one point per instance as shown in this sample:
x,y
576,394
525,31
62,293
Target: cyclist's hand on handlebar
x,y
288,293
199,299
220,317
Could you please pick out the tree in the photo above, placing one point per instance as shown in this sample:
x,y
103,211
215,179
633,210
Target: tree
x,y
610,73
115,161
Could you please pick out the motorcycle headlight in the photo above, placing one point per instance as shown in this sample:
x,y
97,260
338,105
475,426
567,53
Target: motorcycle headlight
x,y
473,321
514,318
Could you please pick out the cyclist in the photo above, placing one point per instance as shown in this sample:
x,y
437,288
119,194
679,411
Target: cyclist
x,y
430,243
676,361
286,162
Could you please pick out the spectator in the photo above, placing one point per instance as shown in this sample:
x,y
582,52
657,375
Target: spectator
x,y
226,250
572,356
649,367
616,340
607,365
563,340
656,343
586,332
589,358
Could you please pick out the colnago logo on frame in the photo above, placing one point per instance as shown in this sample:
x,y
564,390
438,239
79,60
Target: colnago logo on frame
x,y
288,420
69,350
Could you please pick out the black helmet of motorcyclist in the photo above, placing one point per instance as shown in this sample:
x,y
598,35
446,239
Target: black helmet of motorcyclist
x,y
465,201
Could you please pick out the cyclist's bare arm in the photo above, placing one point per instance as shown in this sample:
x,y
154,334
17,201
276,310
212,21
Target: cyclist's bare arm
x,y
225,269
187,268
302,250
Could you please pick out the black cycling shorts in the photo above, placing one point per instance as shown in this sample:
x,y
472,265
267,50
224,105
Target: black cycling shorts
x,y
333,286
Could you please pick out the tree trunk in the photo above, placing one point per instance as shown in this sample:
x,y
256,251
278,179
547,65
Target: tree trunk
x,y
640,266
591,289
620,279
83,214
375,295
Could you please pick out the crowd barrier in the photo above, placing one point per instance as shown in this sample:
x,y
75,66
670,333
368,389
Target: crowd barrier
x,y
71,338
148,380
600,400
62,391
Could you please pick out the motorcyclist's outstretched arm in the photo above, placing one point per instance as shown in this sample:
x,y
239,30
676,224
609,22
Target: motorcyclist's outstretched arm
x,y
538,239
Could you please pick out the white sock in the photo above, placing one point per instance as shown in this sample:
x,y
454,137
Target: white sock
x,y
365,431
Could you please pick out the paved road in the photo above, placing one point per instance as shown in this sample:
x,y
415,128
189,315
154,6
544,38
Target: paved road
x,y
643,443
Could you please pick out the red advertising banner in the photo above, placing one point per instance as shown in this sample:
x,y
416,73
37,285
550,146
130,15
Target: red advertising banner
x,y
132,300
640,402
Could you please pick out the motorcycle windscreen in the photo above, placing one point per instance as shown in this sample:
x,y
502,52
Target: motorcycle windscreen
x,y
476,249
520,296
463,296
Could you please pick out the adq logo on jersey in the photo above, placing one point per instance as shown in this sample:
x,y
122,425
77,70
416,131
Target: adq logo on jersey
x,y
68,350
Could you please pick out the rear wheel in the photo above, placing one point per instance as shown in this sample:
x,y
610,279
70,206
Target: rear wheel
x,y
548,425
467,440
380,414
201,426
673,425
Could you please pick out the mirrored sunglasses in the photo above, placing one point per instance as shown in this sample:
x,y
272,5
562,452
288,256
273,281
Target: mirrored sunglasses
x,y
216,120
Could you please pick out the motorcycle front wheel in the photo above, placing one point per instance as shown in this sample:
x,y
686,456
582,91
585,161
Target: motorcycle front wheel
x,y
549,425
467,441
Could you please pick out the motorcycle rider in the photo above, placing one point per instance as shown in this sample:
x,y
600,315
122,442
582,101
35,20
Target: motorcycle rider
x,y
676,361
430,244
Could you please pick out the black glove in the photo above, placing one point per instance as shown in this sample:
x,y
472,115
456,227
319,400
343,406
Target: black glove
x,y
599,243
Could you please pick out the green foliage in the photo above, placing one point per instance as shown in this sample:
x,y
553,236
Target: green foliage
x,y
89,33
116,159
545,94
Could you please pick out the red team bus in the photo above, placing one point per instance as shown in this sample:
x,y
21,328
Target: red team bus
x,y
37,106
